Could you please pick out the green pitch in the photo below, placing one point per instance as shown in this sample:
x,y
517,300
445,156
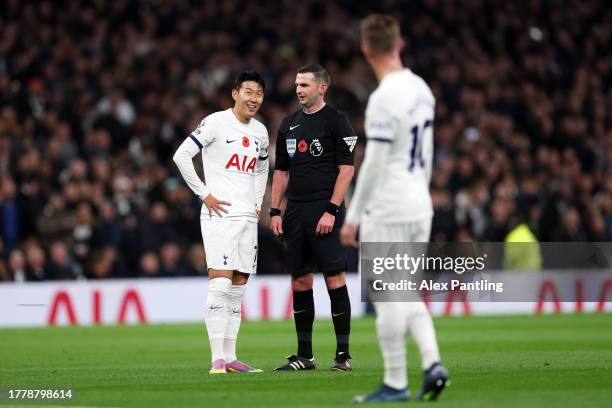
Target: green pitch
x,y
522,361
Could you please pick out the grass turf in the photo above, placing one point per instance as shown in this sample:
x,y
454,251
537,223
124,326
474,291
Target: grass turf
x,y
548,360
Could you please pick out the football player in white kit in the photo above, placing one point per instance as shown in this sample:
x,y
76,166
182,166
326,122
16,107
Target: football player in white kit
x,y
234,149
392,203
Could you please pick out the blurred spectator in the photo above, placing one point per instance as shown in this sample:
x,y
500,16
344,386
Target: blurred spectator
x,y
61,265
108,230
149,266
56,221
9,214
171,260
570,229
443,224
157,228
82,232
17,265
35,263
597,229
498,226
105,264
196,259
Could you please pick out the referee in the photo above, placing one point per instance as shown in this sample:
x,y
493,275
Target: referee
x,y
314,166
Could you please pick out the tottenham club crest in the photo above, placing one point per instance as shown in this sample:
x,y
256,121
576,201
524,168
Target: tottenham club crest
x,y
291,147
316,148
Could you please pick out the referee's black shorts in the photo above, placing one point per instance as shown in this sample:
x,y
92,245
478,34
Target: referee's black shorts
x,y
305,251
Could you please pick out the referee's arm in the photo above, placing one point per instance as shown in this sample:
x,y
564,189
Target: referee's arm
x,y
345,158
343,132
345,175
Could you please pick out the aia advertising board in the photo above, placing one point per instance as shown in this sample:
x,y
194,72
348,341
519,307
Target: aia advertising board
x,y
182,300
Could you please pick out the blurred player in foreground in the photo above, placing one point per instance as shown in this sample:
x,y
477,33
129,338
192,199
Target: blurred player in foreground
x,y
392,202
234,149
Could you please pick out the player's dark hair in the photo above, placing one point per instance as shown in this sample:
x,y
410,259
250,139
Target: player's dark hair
x,y
249,76
320,73
380,32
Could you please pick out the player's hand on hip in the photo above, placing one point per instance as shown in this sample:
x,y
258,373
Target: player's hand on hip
x,y
276,225
348,235
326,224
216,205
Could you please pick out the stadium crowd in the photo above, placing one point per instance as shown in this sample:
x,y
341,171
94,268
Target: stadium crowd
x,y
96,96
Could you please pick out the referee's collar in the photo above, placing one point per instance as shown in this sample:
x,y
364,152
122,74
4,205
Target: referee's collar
x,y
318,110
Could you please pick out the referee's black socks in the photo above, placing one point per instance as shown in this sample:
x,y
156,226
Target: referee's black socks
x,y
303,314
341,315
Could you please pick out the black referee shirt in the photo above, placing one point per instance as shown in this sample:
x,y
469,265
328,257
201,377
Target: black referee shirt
x,y
311,146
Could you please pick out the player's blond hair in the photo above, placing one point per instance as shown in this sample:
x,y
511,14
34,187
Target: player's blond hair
x,y
380,33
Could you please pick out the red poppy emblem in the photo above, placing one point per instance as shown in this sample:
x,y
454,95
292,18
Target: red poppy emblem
x,y
245,141
302,146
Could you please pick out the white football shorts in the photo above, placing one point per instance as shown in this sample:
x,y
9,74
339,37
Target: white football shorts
x,y
409,238
372,230
230,244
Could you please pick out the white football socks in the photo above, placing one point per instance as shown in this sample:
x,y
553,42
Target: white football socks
x,y
391,329
216,315
392,321
423,332
234,317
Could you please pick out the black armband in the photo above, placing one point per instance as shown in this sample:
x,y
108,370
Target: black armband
x,y
332,208
274,212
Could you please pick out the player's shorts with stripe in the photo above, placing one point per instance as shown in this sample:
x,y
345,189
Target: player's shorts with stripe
x,y
305,251
230,244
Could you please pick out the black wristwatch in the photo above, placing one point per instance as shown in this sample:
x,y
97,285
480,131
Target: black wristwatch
x,y
332,208
274,212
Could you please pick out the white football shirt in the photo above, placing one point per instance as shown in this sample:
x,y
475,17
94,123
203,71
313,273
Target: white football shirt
x,y
235,160
399,114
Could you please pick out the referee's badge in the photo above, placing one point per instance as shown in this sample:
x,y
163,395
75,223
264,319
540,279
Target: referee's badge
x,y
291,147
316,148
350,141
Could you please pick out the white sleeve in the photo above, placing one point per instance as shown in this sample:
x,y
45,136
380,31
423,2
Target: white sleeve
x,y
380,123
184,161
376,155
261,173
380,126
202,136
